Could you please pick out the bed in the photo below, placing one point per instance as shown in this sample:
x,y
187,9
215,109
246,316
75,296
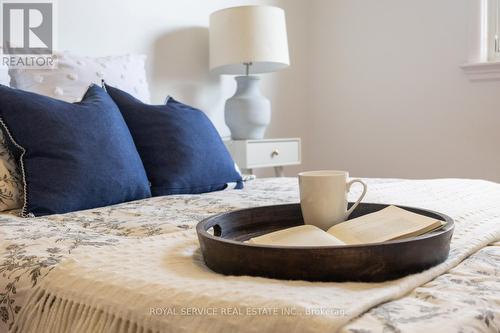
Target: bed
x,y
97,270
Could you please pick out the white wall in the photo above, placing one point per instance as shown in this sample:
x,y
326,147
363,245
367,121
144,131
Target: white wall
x,y
388,96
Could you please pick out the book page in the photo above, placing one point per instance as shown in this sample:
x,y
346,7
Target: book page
x,y
387,224
304,235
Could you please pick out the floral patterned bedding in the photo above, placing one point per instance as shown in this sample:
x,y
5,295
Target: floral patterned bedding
x,y
30,248
466,299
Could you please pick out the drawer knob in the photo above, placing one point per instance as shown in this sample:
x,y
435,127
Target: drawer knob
x,y
275,152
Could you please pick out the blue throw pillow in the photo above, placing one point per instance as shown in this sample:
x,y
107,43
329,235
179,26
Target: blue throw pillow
x,y
72,156
180,148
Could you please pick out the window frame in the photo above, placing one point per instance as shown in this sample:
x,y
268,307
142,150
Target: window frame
x,y
483,63
492,17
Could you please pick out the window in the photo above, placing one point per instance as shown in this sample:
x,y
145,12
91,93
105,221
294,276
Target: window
x,y
492,24
483,61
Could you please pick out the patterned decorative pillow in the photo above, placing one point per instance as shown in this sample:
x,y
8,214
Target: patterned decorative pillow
x,y
11,188
70,80
10,183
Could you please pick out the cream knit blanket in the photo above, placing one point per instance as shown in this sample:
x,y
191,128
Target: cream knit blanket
x,y
160,284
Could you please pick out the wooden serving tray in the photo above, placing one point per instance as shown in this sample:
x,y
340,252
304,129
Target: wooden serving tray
x,y
224,251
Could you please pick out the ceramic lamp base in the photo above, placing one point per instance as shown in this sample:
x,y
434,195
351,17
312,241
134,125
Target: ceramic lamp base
x,y
248,112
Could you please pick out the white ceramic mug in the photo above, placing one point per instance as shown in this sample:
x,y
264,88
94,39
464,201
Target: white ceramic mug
x,y
323,197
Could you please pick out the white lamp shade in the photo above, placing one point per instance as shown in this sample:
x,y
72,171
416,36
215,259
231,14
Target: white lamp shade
x,y
255,34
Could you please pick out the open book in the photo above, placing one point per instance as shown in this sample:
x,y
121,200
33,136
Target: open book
x,y
387,224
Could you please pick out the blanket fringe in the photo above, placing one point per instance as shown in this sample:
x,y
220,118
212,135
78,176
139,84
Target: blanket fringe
x,y
46,313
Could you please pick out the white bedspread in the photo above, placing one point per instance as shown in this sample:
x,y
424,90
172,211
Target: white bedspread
x,y
160,284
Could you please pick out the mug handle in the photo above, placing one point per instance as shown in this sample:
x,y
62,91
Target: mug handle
x,y
349,184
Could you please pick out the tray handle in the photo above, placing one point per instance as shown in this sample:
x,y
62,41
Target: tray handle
x,y
217,230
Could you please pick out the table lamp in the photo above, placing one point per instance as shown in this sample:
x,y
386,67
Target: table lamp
x,y
248,40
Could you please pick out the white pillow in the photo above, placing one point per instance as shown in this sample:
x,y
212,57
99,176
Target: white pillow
x,y
4,72
11,186
4,76
74,74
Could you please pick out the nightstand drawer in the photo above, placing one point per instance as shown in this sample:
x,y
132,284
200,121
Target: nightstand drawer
x,y
264,153
272,153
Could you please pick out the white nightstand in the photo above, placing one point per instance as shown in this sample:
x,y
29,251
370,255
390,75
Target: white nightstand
x,y
265,153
